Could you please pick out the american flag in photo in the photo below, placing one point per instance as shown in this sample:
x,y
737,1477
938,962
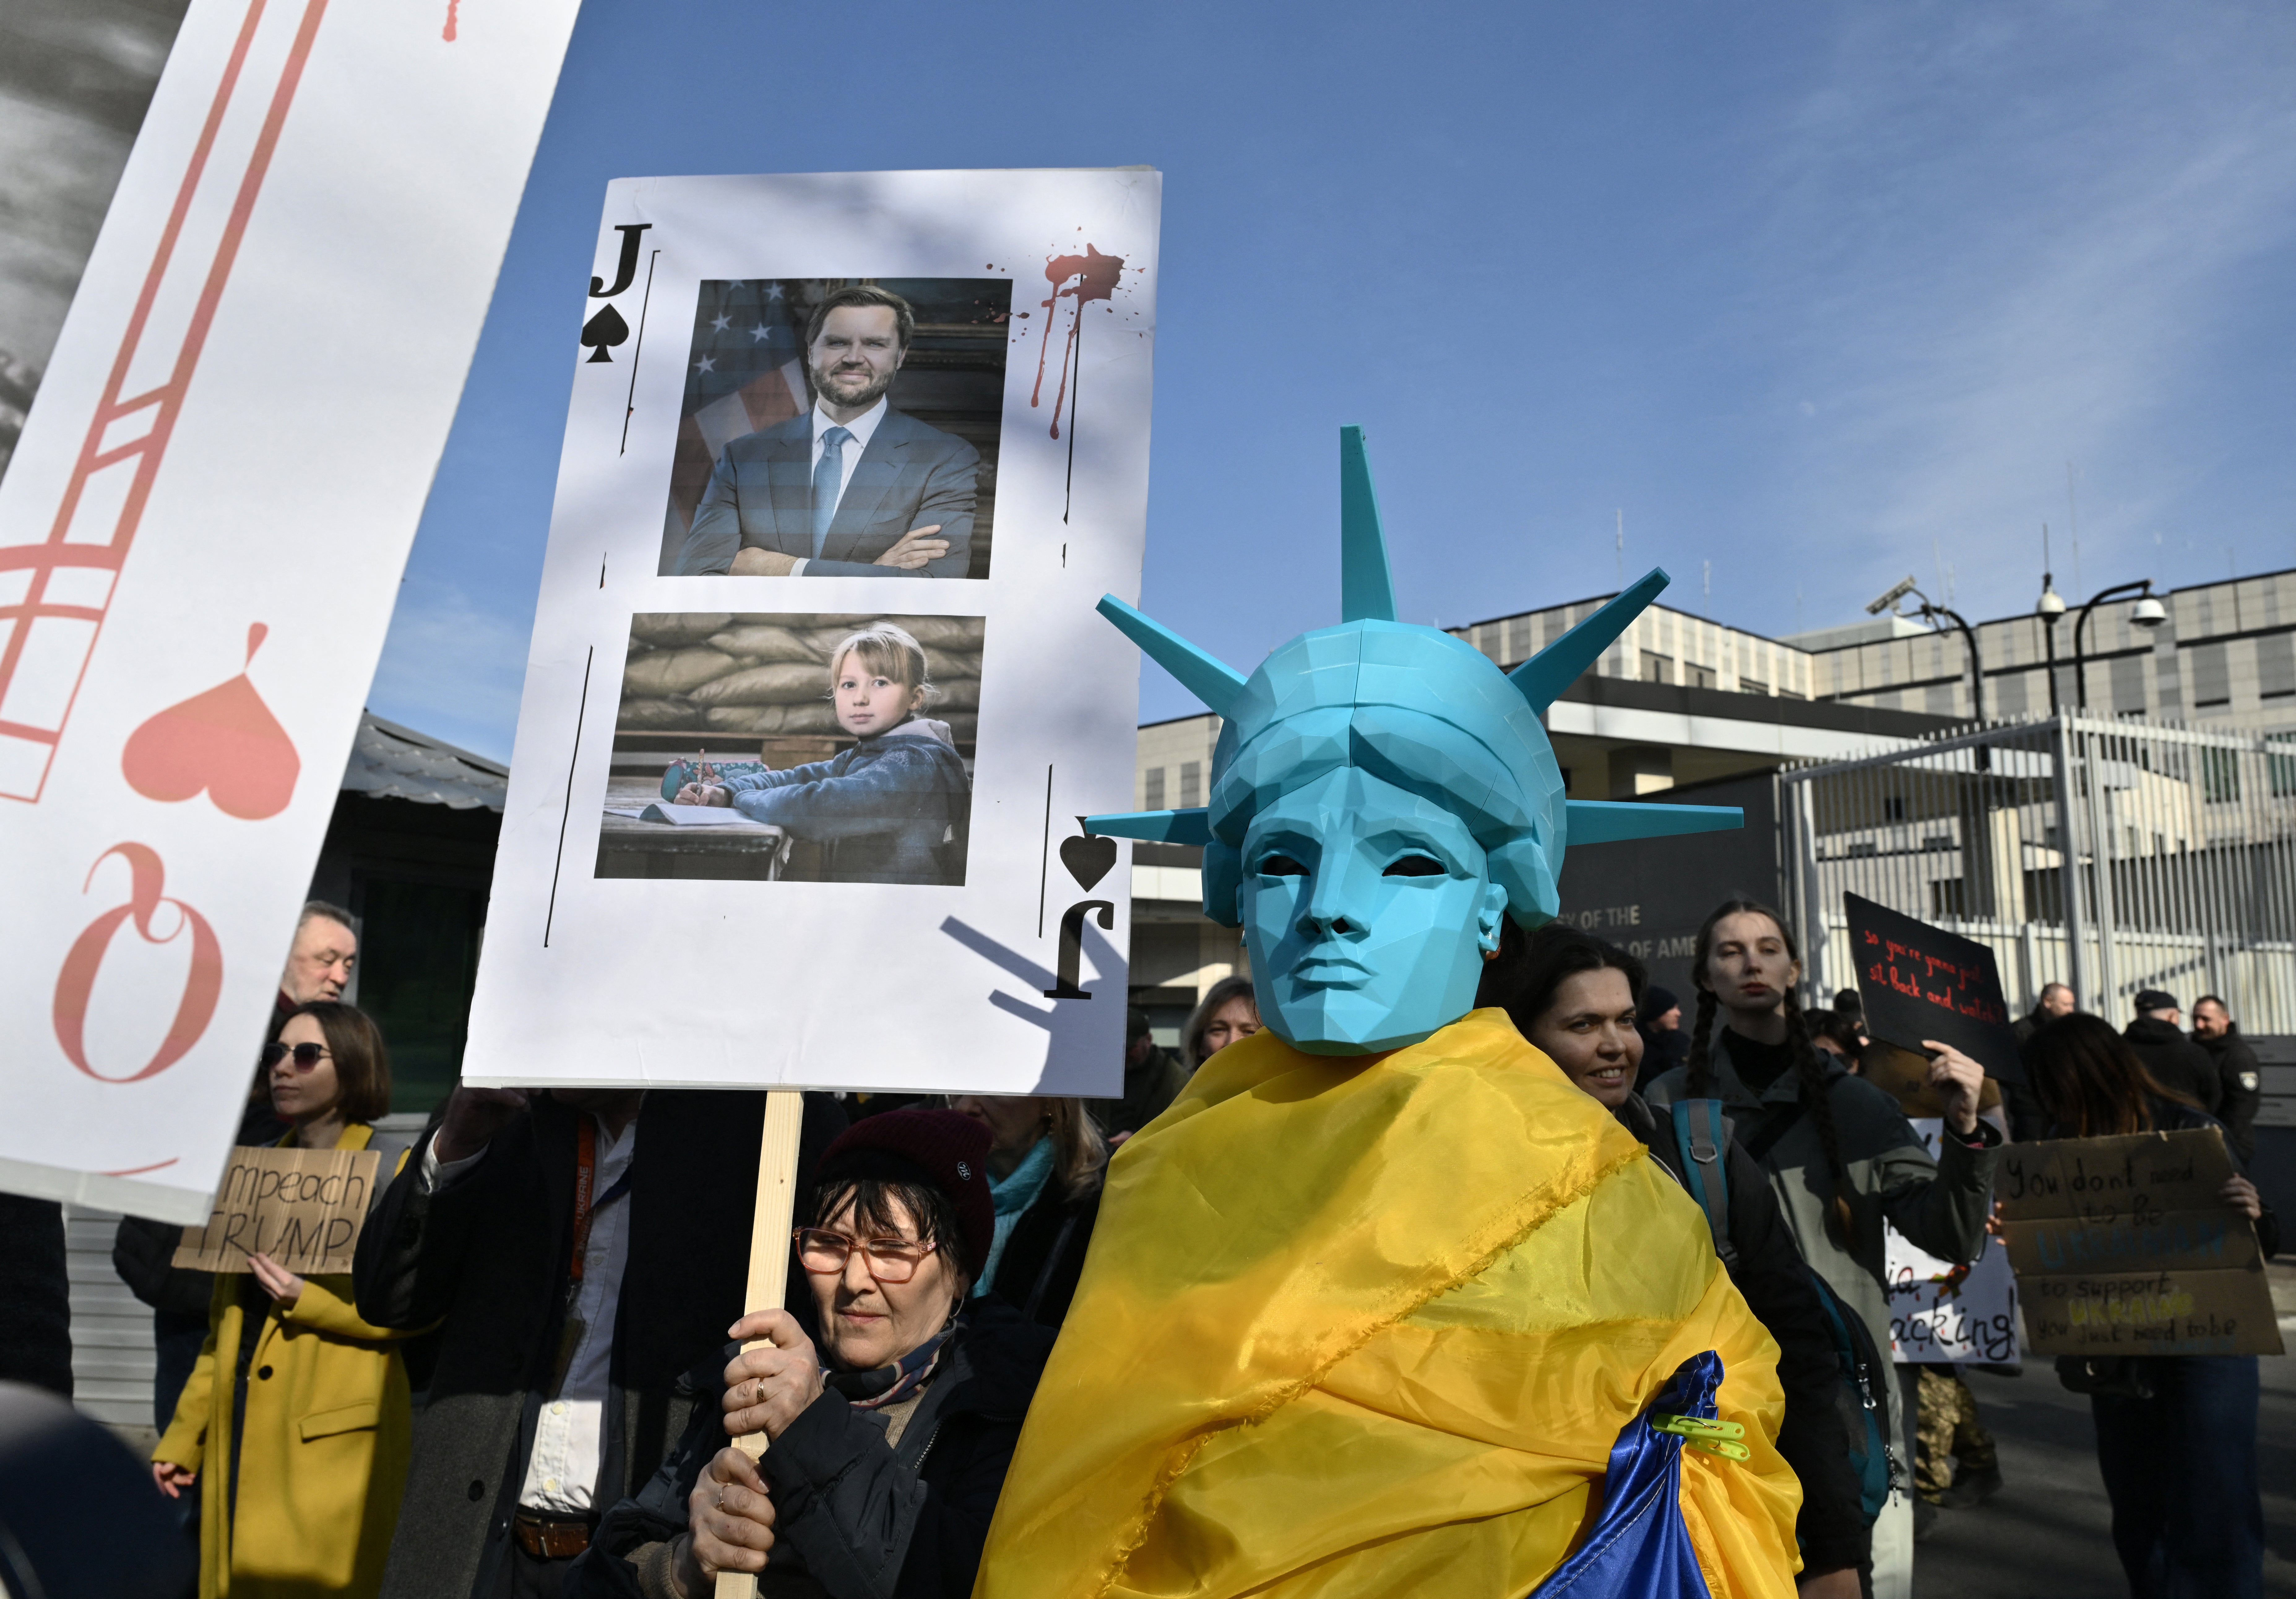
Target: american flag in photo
x,y
745,372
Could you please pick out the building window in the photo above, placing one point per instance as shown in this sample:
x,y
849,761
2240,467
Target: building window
x,y
1752,685
1192,784
1152,790
2212,677
1656,668
1893,807
2276,666
2220,775
1697,677
2280,766
2129,685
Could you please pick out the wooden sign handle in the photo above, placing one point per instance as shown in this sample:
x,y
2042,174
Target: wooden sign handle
x,y
769,1254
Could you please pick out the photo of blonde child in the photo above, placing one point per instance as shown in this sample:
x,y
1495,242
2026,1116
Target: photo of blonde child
x,y
887,799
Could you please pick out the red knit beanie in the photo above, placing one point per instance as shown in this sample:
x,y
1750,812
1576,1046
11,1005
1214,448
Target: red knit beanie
x,y
940,1149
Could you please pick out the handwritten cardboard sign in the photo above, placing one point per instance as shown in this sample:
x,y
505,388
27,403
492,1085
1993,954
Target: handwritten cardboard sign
x,y
301,1207
2124,1246
1919,982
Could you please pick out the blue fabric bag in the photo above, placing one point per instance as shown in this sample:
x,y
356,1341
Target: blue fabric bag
x,y
1638,1547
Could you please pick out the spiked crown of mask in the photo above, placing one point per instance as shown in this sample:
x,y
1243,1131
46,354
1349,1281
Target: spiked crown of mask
x,y
1413,706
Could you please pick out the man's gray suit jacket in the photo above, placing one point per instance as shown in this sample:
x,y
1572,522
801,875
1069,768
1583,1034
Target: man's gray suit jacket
x,y
761,495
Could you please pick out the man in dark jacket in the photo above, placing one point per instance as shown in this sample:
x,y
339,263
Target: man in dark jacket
x,y
2239,1076
1153,1078
2056,1000
2176,1062
579,1250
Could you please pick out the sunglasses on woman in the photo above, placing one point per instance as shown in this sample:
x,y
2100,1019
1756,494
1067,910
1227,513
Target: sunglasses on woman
x,y
307,1056
888,1259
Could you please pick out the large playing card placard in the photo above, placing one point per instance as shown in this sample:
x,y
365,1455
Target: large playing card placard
x,y
202,533
817,692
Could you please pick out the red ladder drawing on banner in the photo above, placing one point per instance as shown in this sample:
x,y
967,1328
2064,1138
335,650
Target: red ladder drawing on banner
x,y
54,594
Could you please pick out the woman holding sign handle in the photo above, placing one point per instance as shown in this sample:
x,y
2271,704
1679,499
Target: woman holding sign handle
x,y
297,1413
890,1436
1840,1156
2176,1434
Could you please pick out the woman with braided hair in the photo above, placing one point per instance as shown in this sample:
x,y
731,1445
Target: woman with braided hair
x,y
1838,1152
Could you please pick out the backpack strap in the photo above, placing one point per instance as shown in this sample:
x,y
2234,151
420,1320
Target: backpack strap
x,y
1702,1135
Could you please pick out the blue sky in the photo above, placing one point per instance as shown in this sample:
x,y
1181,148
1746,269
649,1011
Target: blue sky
x,y
1820,295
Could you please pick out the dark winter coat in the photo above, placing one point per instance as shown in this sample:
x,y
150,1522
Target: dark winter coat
x,y
1769,1273
1044,1258
489,1253
893,809
2176,1062
35,1295
2240,1081
857,1517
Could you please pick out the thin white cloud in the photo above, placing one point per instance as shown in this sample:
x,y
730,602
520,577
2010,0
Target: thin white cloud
x,y
451,669
1999,244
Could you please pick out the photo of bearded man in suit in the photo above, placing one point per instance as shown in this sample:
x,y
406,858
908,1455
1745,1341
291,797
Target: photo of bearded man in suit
x,y
851,487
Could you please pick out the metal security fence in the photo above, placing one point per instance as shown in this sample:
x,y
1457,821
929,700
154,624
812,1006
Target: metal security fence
x,y
2110,855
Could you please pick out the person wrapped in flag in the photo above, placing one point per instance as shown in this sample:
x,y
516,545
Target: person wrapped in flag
x,y
1384,1305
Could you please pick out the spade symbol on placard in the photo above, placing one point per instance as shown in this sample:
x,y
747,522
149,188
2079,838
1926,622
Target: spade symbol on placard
x,y
1088,858
225,742
603,332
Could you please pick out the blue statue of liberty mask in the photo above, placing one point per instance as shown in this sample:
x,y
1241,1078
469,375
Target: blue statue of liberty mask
x,y
1382,794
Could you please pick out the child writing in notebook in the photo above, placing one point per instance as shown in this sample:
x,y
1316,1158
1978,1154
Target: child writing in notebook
x,y
894,807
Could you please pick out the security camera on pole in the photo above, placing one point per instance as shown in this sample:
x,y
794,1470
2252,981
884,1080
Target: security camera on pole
x,y
1929,613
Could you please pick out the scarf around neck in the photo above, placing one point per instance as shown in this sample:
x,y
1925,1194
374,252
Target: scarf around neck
x,y
882,1385
1012,1196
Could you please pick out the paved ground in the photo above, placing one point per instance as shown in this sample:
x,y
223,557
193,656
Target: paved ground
x,y
2047,1532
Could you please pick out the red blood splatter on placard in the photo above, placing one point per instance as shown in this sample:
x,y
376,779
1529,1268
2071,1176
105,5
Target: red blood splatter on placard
x,y
454,9
225,742
1094,277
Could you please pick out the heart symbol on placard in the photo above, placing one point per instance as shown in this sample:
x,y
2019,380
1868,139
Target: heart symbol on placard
x,y
1088,858
225,742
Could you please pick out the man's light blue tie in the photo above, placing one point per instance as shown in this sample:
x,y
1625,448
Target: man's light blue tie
x,y
828,479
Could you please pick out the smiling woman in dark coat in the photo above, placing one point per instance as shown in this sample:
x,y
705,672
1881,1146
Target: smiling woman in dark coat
x,y
890,1440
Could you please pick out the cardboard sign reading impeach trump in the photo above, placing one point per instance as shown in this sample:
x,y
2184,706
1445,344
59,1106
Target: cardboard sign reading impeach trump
x,y
301,1207
2124,1246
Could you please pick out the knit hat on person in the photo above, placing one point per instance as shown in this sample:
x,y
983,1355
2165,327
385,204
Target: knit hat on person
x,y
1656,1003
2153,999
937,1148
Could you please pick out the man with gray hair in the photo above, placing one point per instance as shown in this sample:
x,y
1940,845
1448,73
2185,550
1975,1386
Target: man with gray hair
x,y
319,961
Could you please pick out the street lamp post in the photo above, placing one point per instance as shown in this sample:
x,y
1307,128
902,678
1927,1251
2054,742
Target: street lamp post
x,y
1929,613
2052,606
2147,613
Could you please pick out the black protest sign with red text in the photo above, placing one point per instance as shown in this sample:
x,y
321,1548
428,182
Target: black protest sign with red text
x,y
1922,983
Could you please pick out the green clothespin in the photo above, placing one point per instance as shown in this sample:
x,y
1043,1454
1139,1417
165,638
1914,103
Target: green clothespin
x,y
1715,1438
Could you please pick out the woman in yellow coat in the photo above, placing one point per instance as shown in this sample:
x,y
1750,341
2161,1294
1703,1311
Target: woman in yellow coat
x,y
1383,1306
296,1421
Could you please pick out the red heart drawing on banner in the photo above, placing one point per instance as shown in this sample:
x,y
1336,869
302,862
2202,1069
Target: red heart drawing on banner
x,y
225,742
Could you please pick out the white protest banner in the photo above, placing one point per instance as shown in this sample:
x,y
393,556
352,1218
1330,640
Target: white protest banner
x,y
1940,1310
849,461
202,533
301,1208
